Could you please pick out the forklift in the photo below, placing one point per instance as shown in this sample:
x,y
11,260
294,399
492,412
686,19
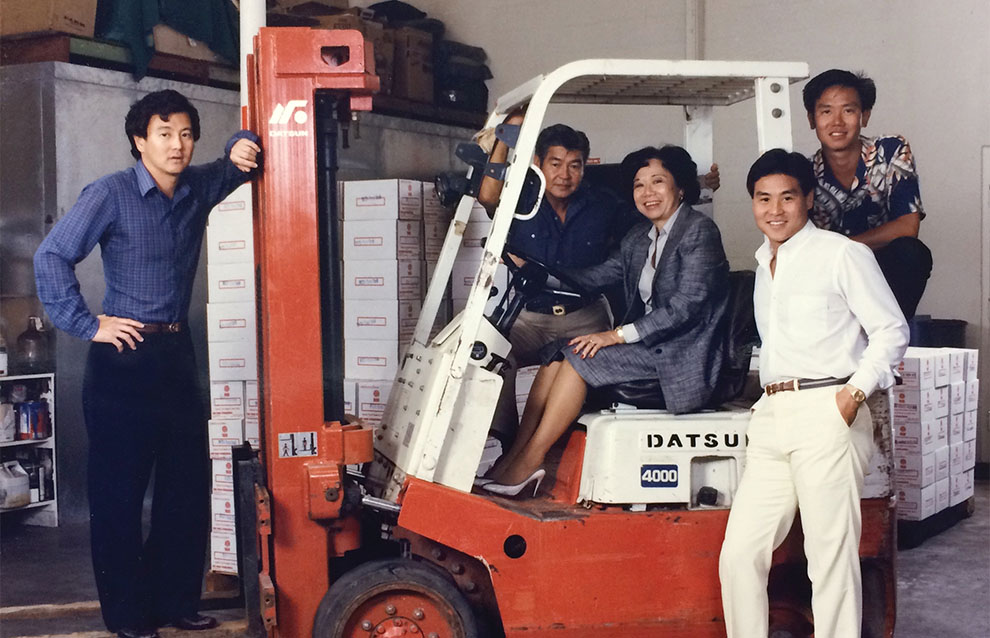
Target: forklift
x,y
347,531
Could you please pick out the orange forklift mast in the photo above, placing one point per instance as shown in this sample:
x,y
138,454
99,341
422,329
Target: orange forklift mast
x,y
303,86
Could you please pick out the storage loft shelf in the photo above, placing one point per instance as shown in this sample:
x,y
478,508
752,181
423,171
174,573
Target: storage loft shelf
x,y
44,513
391,105
109,55
24,377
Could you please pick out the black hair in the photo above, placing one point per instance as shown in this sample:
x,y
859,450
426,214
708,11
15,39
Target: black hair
x,y
562,135
777,161
863,85
675,159
163,104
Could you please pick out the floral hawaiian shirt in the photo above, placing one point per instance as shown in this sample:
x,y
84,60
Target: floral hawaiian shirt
x,y
885,188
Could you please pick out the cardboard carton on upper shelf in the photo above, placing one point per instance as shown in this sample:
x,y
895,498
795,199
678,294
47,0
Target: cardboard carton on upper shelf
x,y
169,41
75,17
413,72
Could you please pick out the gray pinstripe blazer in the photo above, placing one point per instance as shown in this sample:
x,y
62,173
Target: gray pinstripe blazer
x,y
686,328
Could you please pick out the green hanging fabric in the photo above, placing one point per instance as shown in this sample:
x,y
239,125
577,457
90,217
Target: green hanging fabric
x,y
213,22
130,22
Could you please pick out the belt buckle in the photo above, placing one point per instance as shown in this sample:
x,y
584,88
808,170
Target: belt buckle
x,y
771,389
559,310
173,327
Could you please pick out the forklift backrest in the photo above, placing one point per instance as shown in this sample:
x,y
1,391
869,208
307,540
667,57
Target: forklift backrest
x,y
740,337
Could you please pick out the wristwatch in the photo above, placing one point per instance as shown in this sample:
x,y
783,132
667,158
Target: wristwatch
x,y
858,395
618,333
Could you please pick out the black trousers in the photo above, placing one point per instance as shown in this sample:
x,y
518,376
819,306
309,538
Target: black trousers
x,y
906,264
144,413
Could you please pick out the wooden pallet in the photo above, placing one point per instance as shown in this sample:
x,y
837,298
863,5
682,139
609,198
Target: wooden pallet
x,y
910,534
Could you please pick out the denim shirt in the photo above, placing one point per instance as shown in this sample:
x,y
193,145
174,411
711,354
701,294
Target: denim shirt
x,y
595,222
149,244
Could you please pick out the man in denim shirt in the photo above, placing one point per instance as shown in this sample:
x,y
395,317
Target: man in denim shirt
x,y
575,227
141,401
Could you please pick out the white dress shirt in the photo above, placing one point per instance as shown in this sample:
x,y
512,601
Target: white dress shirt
x,y
658,239
826,312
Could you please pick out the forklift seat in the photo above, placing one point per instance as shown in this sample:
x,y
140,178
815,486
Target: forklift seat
x,y
740,337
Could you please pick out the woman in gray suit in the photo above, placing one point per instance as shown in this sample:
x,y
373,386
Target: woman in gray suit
x,y
675,276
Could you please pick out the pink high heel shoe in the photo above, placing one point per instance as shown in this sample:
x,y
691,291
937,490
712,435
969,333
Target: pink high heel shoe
x,y
514,490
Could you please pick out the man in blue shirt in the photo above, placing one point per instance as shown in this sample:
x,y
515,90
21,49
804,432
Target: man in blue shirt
x,y
141,401
867,187
575,227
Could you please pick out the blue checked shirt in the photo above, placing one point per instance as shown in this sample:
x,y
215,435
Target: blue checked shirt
x,y
149,243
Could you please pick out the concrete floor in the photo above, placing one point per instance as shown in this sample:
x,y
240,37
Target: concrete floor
x,y
943,585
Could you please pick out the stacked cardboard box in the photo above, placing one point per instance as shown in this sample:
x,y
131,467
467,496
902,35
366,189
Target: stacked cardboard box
x,y
232,339
436,226
383,285
468,262
964,392
931,458
413,71
76,17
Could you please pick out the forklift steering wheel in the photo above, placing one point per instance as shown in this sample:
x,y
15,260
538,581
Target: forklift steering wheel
x,y
536,274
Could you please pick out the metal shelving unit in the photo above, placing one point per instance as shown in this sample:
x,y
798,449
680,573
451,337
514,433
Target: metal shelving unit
x,y
43,513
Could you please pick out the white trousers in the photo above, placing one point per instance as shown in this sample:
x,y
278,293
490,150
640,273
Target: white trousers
x,y
801,454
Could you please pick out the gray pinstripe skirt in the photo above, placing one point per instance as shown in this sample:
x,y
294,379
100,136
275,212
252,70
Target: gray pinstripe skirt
x,y
614,364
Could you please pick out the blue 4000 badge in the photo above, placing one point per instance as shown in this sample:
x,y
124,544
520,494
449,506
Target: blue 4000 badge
x,y
658,476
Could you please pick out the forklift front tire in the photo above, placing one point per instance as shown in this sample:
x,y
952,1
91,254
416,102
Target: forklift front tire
x,y
393,595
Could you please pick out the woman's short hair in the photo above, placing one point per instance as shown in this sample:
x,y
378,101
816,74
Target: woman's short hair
x,y
675,159
163,104
777,161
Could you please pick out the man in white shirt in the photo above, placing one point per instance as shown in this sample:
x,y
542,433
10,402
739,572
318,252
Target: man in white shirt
x,y
832,333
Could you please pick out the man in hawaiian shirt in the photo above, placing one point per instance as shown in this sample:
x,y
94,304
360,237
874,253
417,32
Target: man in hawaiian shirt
x,y
867,187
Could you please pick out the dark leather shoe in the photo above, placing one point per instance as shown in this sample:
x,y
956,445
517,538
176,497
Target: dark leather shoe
x,y
137,633
196,622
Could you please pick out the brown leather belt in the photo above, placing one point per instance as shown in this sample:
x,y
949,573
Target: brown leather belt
x,y
793,385
562,307
163,328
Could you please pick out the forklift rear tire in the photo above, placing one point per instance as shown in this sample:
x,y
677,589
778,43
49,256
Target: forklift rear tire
x,y
396,596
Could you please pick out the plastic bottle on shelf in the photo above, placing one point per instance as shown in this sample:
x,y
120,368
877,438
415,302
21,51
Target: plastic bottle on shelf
x,y
3,352
32,347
